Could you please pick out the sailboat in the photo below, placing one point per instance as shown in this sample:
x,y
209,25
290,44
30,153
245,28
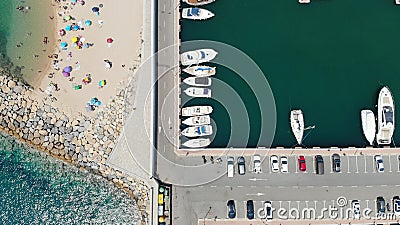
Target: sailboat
x,y
297,124
368,125
385,117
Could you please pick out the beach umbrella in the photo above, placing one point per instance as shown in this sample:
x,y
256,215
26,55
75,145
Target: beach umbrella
x,y
61,32
66,74
95,9
75,28
108,64
67,69
75,39
73,1
67,17
110,40
88,22
68,27
102,83
81,2
98,103
63,44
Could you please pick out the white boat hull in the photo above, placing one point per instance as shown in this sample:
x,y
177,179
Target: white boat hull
x,y
197,3
198,131
198,92
197,120
200,71
197,56
368,125
198,81
197,110
385,117
297,124
197,143
196,14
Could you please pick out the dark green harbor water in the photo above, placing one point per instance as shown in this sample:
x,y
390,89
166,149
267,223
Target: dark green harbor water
x,y
328,58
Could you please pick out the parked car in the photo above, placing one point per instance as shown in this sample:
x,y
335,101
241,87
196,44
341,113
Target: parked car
x,y
284,164
268,210
396,205
241,165
355,205
257,163
380,205
302,163
379,163
250,209
274,163
319,164
335,163
230,166
231,209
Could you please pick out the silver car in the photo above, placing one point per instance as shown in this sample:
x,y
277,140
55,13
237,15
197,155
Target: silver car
x,y
257,163
274,163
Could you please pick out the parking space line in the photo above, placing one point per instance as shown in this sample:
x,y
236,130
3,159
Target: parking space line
x,y
339,186
296,163
398,163
306,204
348,164
313,164
239,186
280,204
356,164
325,204
390,164
253,186
367,203
315,204
365,163
288,205
373,164
298,205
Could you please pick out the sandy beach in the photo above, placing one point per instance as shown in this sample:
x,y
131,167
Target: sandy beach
x,y
113,38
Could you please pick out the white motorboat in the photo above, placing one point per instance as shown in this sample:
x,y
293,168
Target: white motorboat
x,y
200,71
197,143
197,110
297,124
385,117
198,81
198,131
198,92
197,120
196,14
198,56
368,125
198,2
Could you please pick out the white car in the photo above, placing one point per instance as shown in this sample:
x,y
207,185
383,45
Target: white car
x,y
268,210
355,204
230,166
379,163
274,163
257,163
284,164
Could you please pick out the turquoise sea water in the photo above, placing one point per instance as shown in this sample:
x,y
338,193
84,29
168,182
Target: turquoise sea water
x,y
38,189
328,58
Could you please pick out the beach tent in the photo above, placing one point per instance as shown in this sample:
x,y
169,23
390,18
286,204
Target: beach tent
x,y
102,83
75,28
88,22
68,27
67,69
61,32
75,39
66,74
63,44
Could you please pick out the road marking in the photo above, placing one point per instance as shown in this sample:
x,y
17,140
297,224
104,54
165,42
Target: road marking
x,y
281,187
397,185
258,194
368,186
253,186
256,179
164,23
365,163
280,204
164,37
367,202
213,186
239,186
165,84
306,204
289,204
310,186
298,205
227,186
324,203
339,186
373,163
383,185
356,164
398,163
164,9
159,129
390,164
325,186
348,164
267,186
354,186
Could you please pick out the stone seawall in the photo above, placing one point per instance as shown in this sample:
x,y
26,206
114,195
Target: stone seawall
x,y
83,141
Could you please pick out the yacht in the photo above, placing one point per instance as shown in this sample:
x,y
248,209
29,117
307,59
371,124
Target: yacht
x,y
385,117
297,124
198,92
200,71
198,131
196,110
368,125
197,143
198,2
196,14
198,81
198,56
197,120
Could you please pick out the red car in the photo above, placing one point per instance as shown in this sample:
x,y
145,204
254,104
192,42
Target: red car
x,y
302,163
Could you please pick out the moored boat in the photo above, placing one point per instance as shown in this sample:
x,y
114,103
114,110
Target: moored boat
x,y
198,2
197,56
198,92
297,124
197,120
197,131
197,143
385,117
200,71
368,125
196,14
196,110
198,81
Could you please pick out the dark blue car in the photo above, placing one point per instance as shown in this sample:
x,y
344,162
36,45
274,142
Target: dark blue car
x,y
231,209
250,209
